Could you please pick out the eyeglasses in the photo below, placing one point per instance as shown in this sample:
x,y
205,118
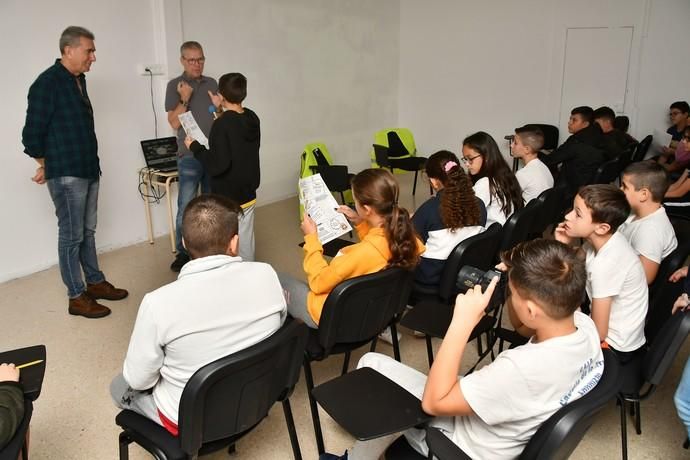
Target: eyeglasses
x,y
200,60
675,113
469,160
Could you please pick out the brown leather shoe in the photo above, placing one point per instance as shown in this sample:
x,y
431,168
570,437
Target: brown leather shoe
x,y
85,306
105,290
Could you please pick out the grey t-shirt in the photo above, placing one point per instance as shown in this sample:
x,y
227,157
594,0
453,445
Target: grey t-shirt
x,y
199,105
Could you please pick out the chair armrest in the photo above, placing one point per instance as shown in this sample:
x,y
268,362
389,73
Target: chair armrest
x,y
442,447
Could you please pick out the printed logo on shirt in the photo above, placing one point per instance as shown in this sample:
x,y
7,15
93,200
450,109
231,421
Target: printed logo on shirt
x,y
589,375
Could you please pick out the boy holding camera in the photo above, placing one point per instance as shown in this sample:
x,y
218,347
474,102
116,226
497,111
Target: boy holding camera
x,y
648,229
493,412
616,281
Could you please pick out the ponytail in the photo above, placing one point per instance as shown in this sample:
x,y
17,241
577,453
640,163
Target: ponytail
x,y
402,238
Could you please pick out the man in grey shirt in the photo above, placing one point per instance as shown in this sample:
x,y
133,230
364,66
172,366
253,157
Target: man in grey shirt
x,y
192,91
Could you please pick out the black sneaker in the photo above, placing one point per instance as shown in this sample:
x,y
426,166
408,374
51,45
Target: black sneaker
x,y
181,259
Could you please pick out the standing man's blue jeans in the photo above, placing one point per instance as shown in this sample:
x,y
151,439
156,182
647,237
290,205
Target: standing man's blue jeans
x,y
76,206
682,398
191,173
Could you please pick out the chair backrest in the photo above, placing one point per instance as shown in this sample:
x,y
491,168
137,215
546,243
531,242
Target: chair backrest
x,y
360,308
552,203
314,154
477,251
405,135
518,226
608,172
662,292
665,347
396,148
641,149
381,156
550,136
560,434
234,393
335,177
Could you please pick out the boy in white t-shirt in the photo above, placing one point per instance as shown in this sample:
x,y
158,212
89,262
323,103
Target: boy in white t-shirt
x,y
535,176
616,282
493,412
648,229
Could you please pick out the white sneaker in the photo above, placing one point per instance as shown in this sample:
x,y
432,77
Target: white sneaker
x,y
387,337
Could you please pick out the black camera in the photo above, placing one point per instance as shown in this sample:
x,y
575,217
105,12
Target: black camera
x,y
470,276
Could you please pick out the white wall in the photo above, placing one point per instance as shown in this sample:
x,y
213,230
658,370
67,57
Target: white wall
x,y
122,108
495,65
316,71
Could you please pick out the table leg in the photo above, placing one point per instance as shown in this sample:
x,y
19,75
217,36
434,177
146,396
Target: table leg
x,y
171,221
147,205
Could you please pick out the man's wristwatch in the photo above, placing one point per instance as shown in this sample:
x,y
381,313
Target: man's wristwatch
x,y
184,103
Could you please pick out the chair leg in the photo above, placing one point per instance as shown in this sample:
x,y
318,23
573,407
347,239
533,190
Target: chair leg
x,y
373,344
314,408
346,363
479,345
429,350
638,418
124,446
294,441
624,434
396,345
414,187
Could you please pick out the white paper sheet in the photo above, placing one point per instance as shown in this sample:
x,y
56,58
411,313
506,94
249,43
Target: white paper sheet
x,y
192,129
321,207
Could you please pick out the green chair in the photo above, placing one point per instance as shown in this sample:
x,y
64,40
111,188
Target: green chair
x,y
315,159
395,149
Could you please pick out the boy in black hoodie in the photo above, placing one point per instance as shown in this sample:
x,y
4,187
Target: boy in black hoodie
x,y
232,161
581,154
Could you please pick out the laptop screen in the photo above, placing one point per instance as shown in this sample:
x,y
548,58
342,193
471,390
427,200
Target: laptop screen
x,y
160,152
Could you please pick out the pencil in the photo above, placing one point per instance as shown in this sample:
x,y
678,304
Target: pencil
x,y
29,364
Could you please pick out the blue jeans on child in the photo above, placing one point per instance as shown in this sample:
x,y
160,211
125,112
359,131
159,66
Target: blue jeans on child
x,y
191,174
76,206
682,398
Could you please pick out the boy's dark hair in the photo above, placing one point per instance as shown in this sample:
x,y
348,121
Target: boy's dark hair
x,y
681,105
233,87
607,204
549,273
650,175
605,113
532,136
585,112
209,223
621,123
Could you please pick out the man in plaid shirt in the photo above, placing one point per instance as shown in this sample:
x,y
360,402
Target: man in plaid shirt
x,y
59,134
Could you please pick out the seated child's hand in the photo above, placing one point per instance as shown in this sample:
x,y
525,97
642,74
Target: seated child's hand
x,y
351,214
308,225
501,267
678,274
681,303
8,373
470,305
559,234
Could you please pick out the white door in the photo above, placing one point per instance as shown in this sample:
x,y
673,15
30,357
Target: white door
x,y
595,71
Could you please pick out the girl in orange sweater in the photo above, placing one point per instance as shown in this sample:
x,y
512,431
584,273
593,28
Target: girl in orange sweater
x,y
387,239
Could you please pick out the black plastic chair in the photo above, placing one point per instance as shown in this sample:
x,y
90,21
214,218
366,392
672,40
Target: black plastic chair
x,y
356,311
556,438
608,172
642,375
641,149
518,226
662,292
433,305
336,177
553,203
386,158
226,399
18,445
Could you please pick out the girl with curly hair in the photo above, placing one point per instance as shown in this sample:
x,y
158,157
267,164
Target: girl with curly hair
x,y
494,182
449,217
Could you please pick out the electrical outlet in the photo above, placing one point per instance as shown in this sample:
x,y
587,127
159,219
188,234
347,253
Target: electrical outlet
x,y
156,69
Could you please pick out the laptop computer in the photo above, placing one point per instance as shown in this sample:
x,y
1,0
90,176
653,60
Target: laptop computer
x,y
160,154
